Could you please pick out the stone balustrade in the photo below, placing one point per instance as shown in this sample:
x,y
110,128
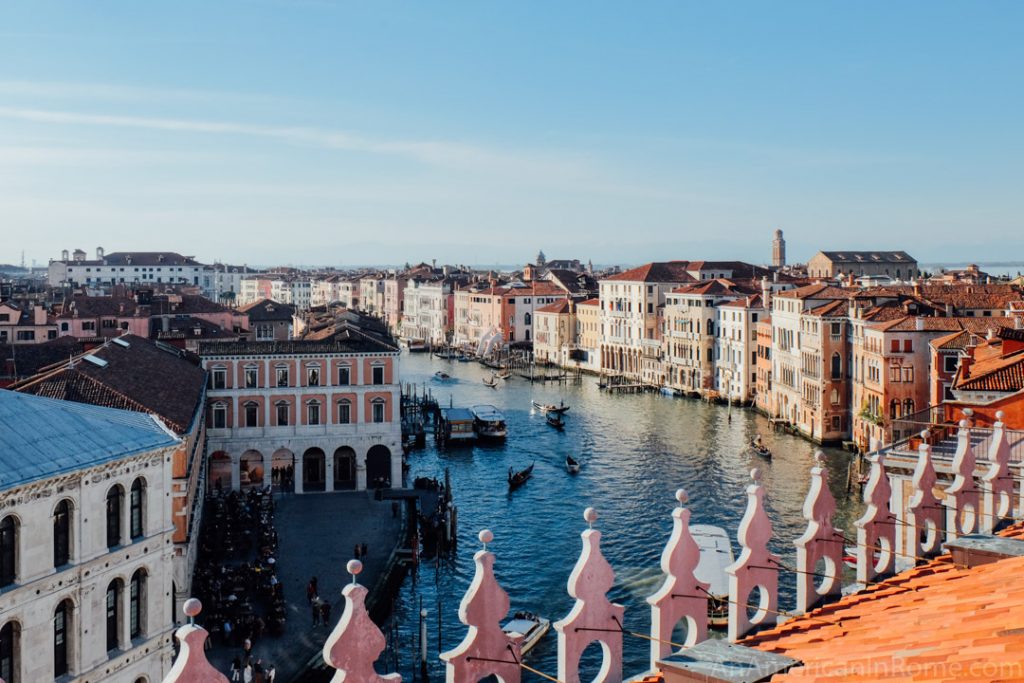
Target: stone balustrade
x,y
355,644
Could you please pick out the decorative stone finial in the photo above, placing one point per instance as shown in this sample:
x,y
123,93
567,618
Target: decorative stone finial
x,y
924,512
876,533
997,489
682,595
485,537
755,568
593,618
924,435
356,642
486,650
590,516
682,497
191,665
962,496
964,424
818,542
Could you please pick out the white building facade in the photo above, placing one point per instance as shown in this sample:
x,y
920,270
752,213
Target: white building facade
x,y
85,545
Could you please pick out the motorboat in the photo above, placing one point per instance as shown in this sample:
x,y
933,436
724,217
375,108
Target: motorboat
x,y
572,466
457,426
517,479
527,626
442,376
669,391
489,422
556,420
715,556
551,407
492,382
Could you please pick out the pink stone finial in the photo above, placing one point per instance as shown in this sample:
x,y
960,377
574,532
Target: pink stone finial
x,y
590,516
876,533
356,642
485,537
682,497
486,650
924,512
924,435
964,423
191,665
963,497
755,568
818,542
593,618
998,481
682,595
1000,414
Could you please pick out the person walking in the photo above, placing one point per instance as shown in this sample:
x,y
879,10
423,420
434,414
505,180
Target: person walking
x,y
316,612
271,673
247,673
311,590
236,669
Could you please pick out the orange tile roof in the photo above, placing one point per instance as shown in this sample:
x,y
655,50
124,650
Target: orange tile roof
x,y
665,271
932,623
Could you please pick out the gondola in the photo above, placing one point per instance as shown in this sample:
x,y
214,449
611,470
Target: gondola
x,y
572,466
551,407
517,479
763,451
555,420
492,383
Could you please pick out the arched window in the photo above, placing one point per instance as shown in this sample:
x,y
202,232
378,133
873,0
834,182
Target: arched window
x,y
136,515
527,319
62,534
61,633
835,397
136,603
837,366
711,328
894,408
908,406
113,607
8,551
9,652
115,497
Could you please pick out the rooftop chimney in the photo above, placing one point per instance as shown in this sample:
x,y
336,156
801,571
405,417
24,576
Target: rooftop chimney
x,y
919,324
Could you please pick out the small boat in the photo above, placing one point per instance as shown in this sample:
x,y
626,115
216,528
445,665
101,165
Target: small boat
x,y
442,376
572,466
852,552
463,359
504,374
527,626
517,479
763,451
551,407
488,422
492,382
458,426
669,391
715,556
556,420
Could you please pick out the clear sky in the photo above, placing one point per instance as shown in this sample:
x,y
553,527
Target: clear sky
x,y
313,131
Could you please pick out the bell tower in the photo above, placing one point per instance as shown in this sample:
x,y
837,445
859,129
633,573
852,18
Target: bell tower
x,y
778,250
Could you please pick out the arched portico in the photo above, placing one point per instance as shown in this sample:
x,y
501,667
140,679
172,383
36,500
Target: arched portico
x,y
314,470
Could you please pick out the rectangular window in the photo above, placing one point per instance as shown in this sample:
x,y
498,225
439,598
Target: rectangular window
x,y
837,329
908,346
218,378
378,411
220,417
313,413
344,376
908,373
282,377
282,414
344,413
108,324
252,415
894,346
26,335
313,377
89,325
950,363
251,377
378,374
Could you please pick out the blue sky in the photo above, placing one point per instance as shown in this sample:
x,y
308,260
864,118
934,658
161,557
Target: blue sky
x,y
311,131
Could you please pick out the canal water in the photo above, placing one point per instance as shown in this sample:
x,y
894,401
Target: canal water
x,y
636,451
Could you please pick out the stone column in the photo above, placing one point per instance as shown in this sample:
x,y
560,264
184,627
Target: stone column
x,y
124,629
298,473
268,470
236,473
361,472
328,472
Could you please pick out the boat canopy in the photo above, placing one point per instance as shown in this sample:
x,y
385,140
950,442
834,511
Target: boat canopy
x,y
487,413
715,556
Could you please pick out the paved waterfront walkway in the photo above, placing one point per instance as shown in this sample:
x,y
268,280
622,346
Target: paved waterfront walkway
x,y
316,536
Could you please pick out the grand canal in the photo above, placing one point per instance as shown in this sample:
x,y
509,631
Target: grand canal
x,y
636,451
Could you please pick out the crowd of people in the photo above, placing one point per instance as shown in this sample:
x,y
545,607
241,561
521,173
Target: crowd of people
x,y
236,578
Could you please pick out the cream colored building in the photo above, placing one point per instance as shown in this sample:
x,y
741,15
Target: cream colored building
x,y
555,332
85,543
